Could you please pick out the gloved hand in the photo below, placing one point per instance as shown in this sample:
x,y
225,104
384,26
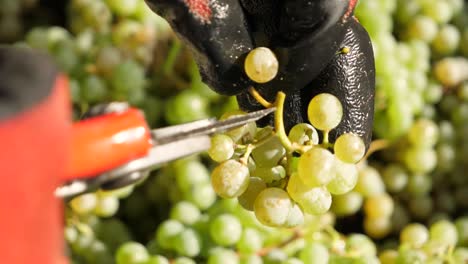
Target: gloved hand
x,y
35,125
306,36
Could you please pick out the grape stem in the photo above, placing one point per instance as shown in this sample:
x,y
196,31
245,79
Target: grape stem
x,y
375,146
250,147
279,122
259,98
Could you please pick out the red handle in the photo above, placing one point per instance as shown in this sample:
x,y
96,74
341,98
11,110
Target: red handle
x,y
104,142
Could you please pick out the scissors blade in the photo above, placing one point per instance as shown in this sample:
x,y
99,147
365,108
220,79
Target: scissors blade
x,y
207,127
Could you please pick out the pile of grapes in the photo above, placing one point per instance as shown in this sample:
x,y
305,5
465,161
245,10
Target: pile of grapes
x,y
261,194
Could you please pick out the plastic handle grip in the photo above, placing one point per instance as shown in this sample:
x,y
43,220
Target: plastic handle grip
x,y
105,142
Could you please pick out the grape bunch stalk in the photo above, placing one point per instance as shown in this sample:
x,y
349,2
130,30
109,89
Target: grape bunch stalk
x,y
283,176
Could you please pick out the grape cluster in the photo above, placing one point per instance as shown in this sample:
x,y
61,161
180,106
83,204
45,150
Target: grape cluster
x,y
281,177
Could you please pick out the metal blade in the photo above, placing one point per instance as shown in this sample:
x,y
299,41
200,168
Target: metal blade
x,y
212,127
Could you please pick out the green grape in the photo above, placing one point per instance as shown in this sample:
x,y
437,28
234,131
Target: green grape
x,y
167,231
423,133
269,153
185,212
445,201
447,40
65,55
246,131
419,184
450,71
347,204
71,234
93,89
294,261
444,232
349,148
369,182
395,177
187,243
272,207
440,11
106,206
411,256
275,256
261,65
377,227
433,93
131,253
360,245
415,235
75,92
303,134
314,252
202,195
230,179
121,193
250,241
113,233
420,159
460,255
312,200
325,111
251,259
189,173
388,256
379,206
400,217
247,199
158,259
107,59
183,260
226,230
315,167
84,203
222,148
122,7
345,178
295,217
462,230
186,106
422,28
126,78
270,174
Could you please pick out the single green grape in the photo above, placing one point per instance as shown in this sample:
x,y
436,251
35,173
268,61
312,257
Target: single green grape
x,y
222,148
315,167
167,231
230,179
272,207
131,253
202,195
423,133
349,148
185,212
444,232
415,235
84,204
184,260
462,230
250,241
189,173
325,111
158,259
295,217
261,65
106,206
360,244
388,256
347,204
377,228
269,153
379,206
247,199
303,134
345,178
369,182
314,252
187,243
395,177
226,229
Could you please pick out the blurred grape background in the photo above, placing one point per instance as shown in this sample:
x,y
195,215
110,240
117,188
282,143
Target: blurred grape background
x,y
410,204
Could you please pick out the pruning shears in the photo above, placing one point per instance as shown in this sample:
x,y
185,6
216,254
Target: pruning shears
x,y
115,148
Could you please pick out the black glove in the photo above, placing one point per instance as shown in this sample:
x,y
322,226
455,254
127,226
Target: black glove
x,y
306,36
